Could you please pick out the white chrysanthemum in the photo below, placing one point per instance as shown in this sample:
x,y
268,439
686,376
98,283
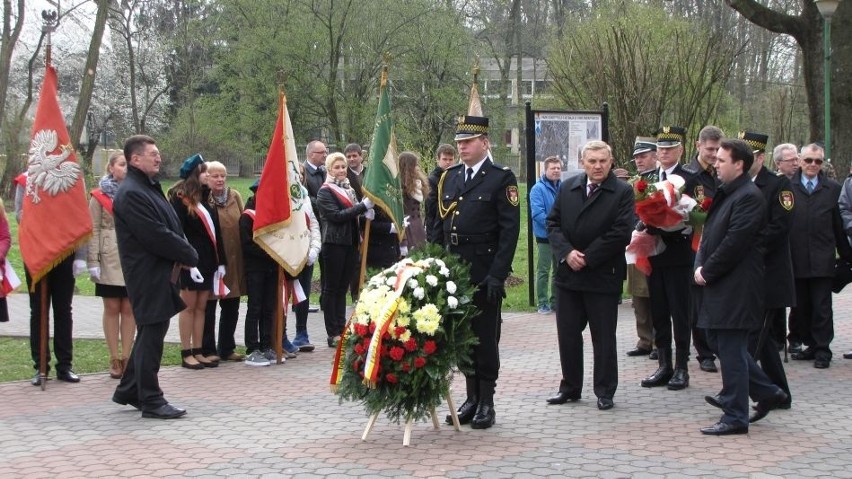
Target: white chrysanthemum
x,y
405,336
404,307
412,283
391,281
444,272
452,302
403,320
431,280
451,287
440,263
427,319
419,293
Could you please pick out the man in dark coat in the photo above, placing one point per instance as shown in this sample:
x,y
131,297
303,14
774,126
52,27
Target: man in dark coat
x,y
729,266
152,249
670,276
445,156
480,220
816,233
588,227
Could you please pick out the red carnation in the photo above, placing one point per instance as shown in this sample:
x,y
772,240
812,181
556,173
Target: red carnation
x,y
429,347
399,330
419,362
360,330
406,367
641,186
359,349
391,378
372,328
385,336
410,345
396,353
366,342
705,204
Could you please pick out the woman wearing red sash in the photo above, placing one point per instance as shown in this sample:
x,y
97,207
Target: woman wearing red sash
x,y
339,210
190,197
105,268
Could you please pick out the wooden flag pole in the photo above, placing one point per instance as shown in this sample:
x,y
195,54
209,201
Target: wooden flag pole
x,y
278,334
365,246
44,335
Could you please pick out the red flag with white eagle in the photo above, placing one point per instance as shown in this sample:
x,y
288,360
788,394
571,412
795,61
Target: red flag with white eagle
x,y
55,219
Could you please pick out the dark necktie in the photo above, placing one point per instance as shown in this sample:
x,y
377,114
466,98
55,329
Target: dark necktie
x,y
593,187
469,175
810,186
663,176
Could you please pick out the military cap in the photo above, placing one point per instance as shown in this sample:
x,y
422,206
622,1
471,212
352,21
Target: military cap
x,y
757,141
471,127
644,144
190,164
670,136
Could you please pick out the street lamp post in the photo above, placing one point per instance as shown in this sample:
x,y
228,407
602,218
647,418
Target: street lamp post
x,y
826,9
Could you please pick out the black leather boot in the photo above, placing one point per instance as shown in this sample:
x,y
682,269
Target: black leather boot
x,y
680,378
663,373
468,408
485,416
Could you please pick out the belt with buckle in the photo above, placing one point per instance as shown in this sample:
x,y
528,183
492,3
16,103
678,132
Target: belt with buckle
x,y
457,239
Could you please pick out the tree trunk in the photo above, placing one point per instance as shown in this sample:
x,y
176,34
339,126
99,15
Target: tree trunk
x,y
8,40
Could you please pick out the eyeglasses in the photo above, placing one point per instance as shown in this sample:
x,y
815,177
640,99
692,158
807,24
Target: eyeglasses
x,y
321,152
818,161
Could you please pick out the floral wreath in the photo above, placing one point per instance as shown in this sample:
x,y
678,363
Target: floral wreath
x,y
410,328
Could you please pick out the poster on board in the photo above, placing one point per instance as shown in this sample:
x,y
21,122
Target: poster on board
x,y
563,134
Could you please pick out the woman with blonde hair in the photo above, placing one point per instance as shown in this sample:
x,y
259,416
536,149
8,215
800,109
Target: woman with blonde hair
x,y
105,267
415,188
190,197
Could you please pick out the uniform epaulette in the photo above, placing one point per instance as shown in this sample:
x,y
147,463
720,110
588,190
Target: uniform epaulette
x,y
689,168
457,165
499,167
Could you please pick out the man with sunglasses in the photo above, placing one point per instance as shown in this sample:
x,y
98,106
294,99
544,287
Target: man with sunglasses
x,y
816,233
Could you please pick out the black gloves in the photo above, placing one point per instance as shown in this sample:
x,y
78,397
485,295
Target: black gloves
x,y
495,289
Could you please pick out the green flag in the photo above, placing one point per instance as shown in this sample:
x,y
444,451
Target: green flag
x,y
381,181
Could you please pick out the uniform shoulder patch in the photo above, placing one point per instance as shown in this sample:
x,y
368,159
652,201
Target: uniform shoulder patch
x,y
512,195
786,199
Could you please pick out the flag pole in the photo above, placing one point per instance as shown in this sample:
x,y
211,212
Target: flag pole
x,y
280,309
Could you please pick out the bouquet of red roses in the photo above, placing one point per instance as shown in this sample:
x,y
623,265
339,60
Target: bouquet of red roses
x,y
661,204
697,218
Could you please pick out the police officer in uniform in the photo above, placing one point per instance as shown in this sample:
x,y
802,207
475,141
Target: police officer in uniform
x,y
479,216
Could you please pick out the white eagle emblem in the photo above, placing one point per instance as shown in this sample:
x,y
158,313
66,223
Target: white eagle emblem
x,y
48,171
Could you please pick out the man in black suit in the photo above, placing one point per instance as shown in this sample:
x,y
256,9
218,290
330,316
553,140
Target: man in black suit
x,y
480,221
729,266
588,227
445,156
816,235
152,247
670,276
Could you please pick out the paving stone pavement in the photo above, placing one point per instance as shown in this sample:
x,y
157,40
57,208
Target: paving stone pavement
x,y
282,421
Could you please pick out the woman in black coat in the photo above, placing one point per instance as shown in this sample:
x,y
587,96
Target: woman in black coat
x,y
339,209
190,200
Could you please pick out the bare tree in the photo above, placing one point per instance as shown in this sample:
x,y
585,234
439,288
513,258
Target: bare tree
x,y
10,34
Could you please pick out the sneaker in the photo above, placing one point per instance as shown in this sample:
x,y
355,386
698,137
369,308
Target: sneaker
x,y
304,344
256,358
289,347
270,355
544,310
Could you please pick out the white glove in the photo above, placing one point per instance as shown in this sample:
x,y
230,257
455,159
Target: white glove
x,y
403,250
405,222
95,272
368,203
196,275
312,256
392,228
370,214
221,270
79,267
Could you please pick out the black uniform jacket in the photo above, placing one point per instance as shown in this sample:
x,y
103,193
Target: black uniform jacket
x,y
780,287
480,219
150,244
598,227
731,258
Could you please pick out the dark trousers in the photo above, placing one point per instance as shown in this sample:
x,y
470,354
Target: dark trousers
x,y
644,326
778,325
140,382
301,309
228,316
699,336
600,312
339,262
60,292
669,288
741,376
486,326
261,288
812,319
767,356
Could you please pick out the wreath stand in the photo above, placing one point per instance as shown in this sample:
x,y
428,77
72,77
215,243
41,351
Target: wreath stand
x,y
406,437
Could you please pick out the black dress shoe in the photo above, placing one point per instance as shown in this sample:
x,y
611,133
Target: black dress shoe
x,y
795,347
762,408
680,380
36,380
605,403
804,355
724,429
484,417
822,363
465,412
126,402
68,376
714,401
166,411
562,398
654,354
639,352
660,377
847,355
708,365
